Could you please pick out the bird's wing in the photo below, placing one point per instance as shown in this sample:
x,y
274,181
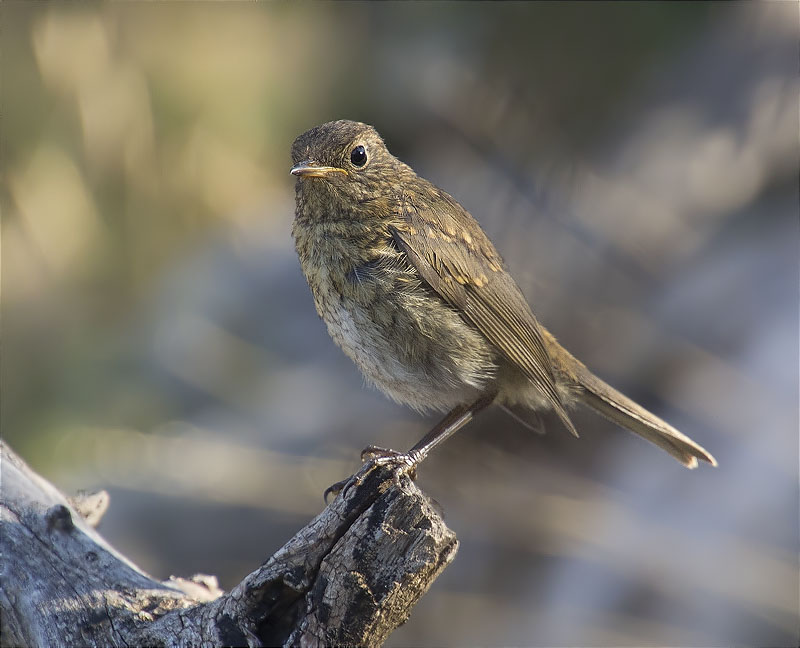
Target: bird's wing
x,y
457,260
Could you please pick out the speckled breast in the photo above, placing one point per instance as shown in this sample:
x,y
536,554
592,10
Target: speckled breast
x,y
401,335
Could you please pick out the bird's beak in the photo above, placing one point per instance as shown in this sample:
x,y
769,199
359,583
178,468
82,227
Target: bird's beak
x,y
310,169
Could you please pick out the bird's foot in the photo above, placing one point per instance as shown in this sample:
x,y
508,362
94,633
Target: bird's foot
x,y
373,452
407,462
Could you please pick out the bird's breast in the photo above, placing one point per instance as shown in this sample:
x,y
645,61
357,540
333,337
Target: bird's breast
x,y
400,334
342,258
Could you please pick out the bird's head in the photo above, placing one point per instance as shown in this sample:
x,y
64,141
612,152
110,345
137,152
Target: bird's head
x,y
346,158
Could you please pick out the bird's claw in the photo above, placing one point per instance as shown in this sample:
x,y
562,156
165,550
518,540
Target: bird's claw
x,y
407,461
386,457
335,489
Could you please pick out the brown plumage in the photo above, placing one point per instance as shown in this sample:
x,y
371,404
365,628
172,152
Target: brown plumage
x,y
414,292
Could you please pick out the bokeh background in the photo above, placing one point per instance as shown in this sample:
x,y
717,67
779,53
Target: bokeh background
x,y
636,164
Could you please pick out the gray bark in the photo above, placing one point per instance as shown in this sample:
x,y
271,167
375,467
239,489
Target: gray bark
x,y
350,577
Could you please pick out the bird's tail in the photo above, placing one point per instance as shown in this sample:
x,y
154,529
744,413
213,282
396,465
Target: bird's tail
x,y
620,409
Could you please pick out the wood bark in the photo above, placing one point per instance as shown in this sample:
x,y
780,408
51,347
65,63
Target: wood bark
x,y
351,576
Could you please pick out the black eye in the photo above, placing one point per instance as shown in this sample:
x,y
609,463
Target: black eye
x,y
358,156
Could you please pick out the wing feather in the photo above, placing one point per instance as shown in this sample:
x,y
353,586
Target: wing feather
x,y
456,258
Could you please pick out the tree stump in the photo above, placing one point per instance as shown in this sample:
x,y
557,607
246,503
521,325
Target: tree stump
x,y
351,576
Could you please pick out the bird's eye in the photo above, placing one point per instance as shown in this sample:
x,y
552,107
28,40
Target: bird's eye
x,y
358,156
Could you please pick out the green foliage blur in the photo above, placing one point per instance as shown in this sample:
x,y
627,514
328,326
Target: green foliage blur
x,y
130,133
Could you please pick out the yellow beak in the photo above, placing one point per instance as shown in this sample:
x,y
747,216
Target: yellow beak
x,y
310,169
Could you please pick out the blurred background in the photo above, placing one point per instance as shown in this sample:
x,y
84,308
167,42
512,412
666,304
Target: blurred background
x,y
636,164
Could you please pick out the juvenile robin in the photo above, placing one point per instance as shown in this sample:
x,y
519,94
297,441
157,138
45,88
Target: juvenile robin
x,y
414,292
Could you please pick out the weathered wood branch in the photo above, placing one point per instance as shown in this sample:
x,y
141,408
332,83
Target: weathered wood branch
x,y
350,577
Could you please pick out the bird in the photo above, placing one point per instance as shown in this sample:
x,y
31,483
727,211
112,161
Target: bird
x,y
417,296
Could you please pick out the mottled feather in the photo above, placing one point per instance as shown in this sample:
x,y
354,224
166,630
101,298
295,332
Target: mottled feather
x,y
464,268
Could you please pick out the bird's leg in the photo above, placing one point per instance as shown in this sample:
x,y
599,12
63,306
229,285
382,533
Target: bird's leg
x,y
457,418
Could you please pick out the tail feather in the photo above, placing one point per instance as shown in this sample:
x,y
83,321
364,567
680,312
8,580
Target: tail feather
x,y
620,409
